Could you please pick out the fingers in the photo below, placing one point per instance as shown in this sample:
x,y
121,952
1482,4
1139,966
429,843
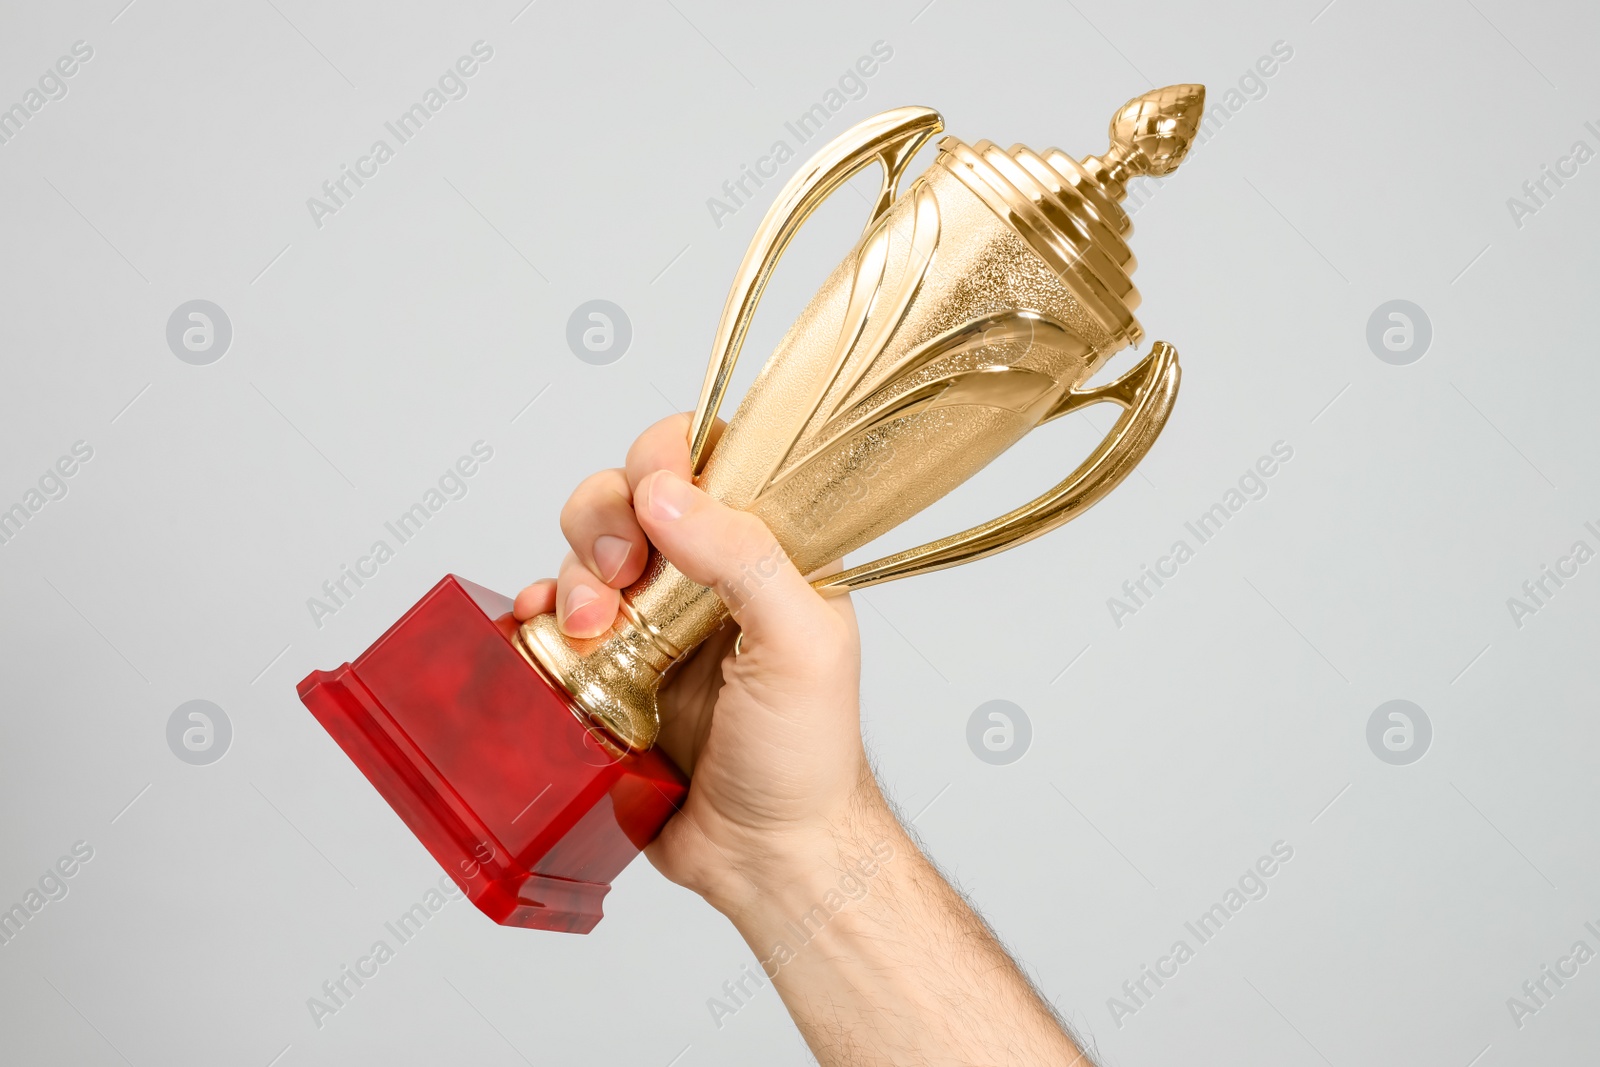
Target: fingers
x,y
609,547
734,553
663,447
599,525
609,551
538,599
585,606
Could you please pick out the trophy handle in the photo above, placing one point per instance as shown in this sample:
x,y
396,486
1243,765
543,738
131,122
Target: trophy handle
x,y
1146,394
891,138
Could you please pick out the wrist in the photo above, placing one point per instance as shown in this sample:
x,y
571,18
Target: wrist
x,y
830,859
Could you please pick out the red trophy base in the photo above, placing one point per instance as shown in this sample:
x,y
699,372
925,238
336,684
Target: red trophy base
x,y
487,763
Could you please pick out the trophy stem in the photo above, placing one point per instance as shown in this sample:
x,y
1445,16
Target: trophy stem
x,y
613,679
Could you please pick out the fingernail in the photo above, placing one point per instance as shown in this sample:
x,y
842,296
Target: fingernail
x,y
580,597
610,553
670,496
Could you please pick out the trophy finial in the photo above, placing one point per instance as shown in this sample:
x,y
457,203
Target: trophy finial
x,y
1150,135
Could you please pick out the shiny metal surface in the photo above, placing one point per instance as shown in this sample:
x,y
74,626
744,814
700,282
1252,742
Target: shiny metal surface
x,y
974,307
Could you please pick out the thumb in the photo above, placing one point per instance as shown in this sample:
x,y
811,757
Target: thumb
x,y
732,552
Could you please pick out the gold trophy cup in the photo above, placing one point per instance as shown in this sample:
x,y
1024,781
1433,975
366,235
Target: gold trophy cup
x,y
974,308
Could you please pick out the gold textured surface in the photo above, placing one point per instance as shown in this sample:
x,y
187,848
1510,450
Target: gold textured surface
x,y
973,308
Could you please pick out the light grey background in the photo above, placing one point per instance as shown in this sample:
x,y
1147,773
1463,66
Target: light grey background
x,y
1168,753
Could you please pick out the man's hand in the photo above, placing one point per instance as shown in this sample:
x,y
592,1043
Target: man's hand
x,y
781,756
785,830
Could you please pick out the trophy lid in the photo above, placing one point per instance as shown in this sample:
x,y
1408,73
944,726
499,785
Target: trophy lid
x,y
1070,212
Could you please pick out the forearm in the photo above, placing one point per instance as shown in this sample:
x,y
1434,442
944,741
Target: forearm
x,y
880,961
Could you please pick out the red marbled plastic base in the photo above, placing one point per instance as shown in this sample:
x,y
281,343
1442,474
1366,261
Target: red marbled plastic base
x,y
483,758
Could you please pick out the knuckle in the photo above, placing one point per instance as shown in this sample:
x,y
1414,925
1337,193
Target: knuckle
x,y
673,426
570,512
663,446
634,461
595,495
